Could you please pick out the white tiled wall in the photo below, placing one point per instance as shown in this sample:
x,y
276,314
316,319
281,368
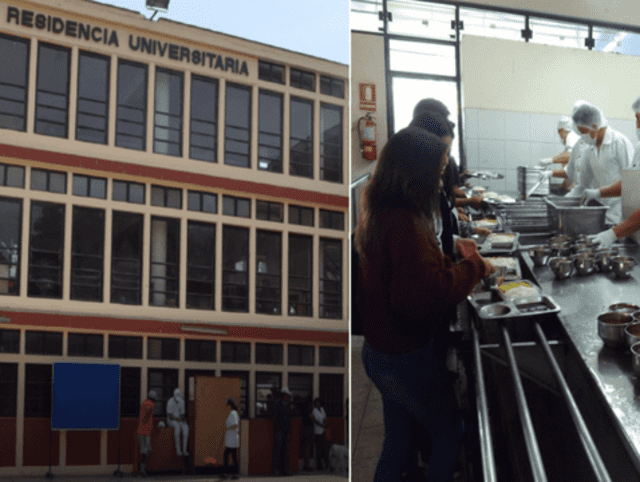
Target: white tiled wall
x,y
500,141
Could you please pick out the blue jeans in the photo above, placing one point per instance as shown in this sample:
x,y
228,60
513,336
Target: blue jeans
x,y
415,388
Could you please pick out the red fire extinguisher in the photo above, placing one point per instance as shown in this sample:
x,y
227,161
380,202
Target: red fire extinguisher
x,y
369,150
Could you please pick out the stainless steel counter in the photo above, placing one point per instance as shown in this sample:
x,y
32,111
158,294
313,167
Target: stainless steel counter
x,y
582,299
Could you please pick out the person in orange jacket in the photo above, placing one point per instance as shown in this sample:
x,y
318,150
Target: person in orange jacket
x,y
145,427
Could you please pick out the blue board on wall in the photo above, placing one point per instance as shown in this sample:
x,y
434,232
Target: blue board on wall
x,y
85,397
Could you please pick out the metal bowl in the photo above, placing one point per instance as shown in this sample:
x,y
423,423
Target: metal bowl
x,y
624,307
603,260
561,238
586,240
623,265
636,315
496,310
560,248
584,265
561,267
611,328
635,353
540,255
632,333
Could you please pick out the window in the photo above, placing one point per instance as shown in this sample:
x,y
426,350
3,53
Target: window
x,y
301,355
9,341
301,138
422,19
125,347
52,93
89,186
332,86
301,215
126,258
202,201
38,389
269,354
330,143
268,272
92,120
8,389
87,254
131,192
332,394
487,23
163,349
561,34
617,41
85,345
51,181
166,196
14,83
10,176
332,220
200,350
43,343
237,134
235,352
330,278
167,134
203,141
46,250
300,275
270,132
268,386
131,116
235,266
301,387
201,265
331,356
165,262
303,80
243,409
10,240
163,382
422,58
236,206
271,72
130,391
270,211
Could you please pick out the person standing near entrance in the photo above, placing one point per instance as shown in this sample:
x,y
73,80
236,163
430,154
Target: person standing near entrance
x,y
319,428
281,434
231,440
145,427
176,418
306,436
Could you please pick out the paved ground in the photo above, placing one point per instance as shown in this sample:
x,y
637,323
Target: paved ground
x,y
306,476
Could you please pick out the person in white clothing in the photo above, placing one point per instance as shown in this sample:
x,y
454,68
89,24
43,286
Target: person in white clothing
x,y
632,223
231,440
569,139
607,154
176,418
319,428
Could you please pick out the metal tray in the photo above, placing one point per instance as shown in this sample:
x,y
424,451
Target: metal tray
x,y
567,216
512,274
486,246
495,305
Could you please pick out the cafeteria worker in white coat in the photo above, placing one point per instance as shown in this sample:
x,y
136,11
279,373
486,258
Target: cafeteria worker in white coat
x,y
608,152
632,223
569,139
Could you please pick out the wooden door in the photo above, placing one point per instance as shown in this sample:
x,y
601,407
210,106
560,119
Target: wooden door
x,y
211,412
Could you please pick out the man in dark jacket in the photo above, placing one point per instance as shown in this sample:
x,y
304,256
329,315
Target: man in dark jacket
x,y
281,434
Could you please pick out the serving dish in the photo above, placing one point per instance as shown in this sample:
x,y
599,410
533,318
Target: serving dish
x,y
497,243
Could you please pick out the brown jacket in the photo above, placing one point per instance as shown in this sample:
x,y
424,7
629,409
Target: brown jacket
x,y
406,285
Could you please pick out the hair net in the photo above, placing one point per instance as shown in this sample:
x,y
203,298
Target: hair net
x,y
636,105
565,123
587,115
431,105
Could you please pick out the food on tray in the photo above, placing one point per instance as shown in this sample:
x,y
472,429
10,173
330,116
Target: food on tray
x,y
501,239
508,263
519,289
491,194
478,189
486,223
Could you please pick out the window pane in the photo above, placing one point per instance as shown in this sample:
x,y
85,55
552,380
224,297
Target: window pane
x,y
10,240
235,262
204,119
39,180
422,58
126,261
301,138
38,388
15,176
46,250
268,387
210,203
98,188
492,24
270,132
237,125
9,341
364,15
269,353
331,356
201,251
132,105
234,352
129,391
52,95
165,252
87,254
168,119
618,41
561,34
331,143
200,350
332,394
301,387
268,272
93,98
300,263
80,185
421,19
330,278
13,83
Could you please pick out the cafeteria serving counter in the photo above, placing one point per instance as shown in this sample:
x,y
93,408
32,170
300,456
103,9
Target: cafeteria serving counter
x,y
554,403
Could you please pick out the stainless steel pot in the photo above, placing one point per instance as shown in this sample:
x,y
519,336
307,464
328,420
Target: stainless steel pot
x,y
540,255
623,265
632,333
561,267
635,353
611,328
584,265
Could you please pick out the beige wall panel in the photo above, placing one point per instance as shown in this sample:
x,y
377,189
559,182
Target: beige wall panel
x,y
522,77
367,67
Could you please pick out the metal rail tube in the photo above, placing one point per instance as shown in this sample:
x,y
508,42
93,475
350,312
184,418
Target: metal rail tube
x,y
535,458
484,429
585,437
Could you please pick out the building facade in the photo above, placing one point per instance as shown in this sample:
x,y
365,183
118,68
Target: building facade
x,y
172,200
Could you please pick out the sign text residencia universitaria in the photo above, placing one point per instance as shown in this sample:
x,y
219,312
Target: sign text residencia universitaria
x,y
96,34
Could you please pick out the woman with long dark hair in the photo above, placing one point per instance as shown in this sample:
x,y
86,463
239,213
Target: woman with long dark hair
x,y
406,288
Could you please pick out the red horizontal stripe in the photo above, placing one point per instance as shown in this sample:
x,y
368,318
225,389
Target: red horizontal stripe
x,y
124,168
143,327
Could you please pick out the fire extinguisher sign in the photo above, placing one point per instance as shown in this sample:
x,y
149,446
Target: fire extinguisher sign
x,y
368,97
